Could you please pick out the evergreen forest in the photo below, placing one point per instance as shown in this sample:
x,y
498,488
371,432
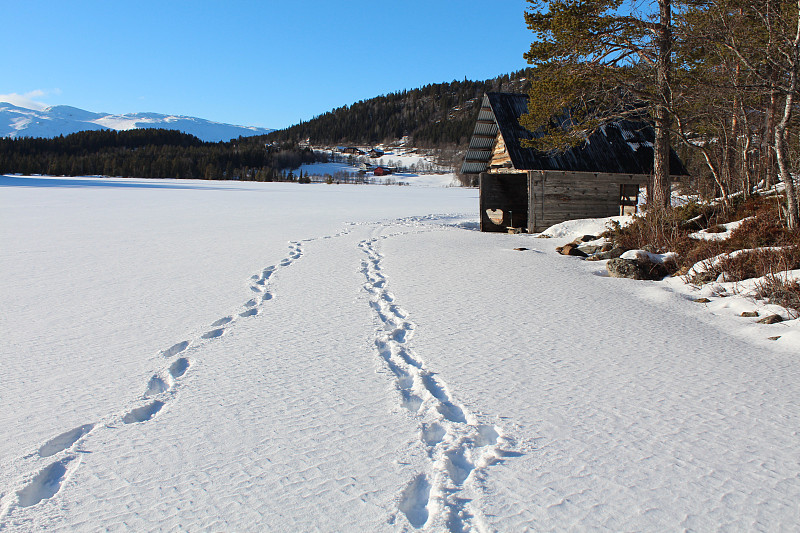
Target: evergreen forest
x,y
440,115
152,153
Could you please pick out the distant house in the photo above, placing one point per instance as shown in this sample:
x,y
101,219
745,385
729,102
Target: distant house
x,y
352,150
531,190
376,153
382,171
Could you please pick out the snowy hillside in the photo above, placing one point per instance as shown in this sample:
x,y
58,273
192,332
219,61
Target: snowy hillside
x,y
240,356
53,121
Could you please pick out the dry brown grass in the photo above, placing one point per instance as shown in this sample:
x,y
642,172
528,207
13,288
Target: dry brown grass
x,y
669,232
781,292
751,264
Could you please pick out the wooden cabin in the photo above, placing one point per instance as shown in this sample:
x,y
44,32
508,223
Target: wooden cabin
x,y
530,190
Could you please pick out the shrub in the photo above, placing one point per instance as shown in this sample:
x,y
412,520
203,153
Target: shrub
x,y
760,231
655,232
749,264
669,232
781,292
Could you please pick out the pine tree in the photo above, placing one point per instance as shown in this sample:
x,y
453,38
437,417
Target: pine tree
x,y
599,61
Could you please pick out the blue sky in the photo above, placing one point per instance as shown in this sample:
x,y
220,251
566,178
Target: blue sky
x,y
261,63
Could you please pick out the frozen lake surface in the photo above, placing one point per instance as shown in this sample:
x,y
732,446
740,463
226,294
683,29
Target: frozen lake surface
x,y
187,355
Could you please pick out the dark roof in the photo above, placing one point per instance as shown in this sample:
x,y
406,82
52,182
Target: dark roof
x,y
623,146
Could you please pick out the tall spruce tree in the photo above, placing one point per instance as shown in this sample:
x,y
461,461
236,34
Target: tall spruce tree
x,y
601,60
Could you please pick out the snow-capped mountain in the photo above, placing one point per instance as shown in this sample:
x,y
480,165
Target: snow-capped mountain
x,y
58,120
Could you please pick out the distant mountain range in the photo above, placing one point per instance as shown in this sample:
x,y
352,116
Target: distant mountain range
x,y
58,120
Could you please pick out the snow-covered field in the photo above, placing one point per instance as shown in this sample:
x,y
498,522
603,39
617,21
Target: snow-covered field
x,y
184,355
419,179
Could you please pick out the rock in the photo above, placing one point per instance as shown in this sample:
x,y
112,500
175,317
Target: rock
x,y
570,249
637,269
771,319
773,338
587,238
702,301
520,249
589,249
625,268
608,254
607,247
750,314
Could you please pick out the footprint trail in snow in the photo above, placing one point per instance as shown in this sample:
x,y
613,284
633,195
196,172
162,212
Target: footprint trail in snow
x,y
46,480
460,448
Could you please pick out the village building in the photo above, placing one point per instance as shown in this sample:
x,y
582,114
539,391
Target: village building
x,y
529,190
352,150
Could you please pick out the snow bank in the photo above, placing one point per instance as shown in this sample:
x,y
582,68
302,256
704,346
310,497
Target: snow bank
x,y
585,226
707,264
650,257
704,234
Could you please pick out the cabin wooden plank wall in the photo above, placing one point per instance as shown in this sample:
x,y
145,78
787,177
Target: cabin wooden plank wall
x,y
557,196
507,193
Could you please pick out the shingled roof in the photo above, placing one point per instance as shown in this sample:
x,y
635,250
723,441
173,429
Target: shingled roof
x,y
619,147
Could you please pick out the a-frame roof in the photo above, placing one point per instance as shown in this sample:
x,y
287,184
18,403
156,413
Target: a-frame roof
x,y
619,147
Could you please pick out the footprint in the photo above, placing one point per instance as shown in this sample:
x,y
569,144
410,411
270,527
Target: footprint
x,y
408,359
143,413
410,401
451,412
179,367
64,441
251,303
213,334
432,434
414,501
458,467
176,349
256,288
377,309
45,485
156,386
222,321
404,379
487,436
267,296
434,388
249,312
401,333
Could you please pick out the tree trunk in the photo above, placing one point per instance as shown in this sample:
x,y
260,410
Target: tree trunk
x,y
661,147
767,170
781,151
783,164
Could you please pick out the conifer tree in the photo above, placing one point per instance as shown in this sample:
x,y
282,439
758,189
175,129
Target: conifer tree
x,y
601,60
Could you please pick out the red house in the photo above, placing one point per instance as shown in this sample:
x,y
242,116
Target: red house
x,y
382,171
